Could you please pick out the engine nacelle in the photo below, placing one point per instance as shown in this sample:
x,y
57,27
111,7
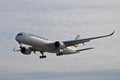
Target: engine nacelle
x,y
59,45
25,51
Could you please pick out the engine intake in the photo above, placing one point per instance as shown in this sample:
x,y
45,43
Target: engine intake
x,y
59,45
25,51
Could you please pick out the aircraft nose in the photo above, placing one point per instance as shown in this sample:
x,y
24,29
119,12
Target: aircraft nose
x,y
16,38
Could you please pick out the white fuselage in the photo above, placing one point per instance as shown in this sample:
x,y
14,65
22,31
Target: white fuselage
x,y
39,43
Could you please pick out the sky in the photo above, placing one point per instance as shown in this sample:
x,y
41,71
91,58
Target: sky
x,y
61,20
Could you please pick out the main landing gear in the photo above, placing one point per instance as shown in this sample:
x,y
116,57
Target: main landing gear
x,y
59,54
43,56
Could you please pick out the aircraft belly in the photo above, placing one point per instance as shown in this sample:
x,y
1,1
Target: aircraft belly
x,y
69,50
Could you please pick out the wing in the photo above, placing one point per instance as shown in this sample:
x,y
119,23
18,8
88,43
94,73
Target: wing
x,y
73,42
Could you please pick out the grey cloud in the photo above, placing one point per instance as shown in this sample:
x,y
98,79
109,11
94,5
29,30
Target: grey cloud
x,y
88,75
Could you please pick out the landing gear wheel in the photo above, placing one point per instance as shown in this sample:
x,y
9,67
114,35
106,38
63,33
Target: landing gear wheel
x,y
59,54
41,57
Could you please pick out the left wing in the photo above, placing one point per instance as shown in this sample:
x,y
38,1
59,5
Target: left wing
x,y
73,42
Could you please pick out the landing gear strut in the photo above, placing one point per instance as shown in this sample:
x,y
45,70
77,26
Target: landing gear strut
x,y
60,53
20,45
43,56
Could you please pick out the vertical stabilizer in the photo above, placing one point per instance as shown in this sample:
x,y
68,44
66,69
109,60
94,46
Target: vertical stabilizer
x,y
76,38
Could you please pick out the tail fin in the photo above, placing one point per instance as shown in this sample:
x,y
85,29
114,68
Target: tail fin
x,y
76,38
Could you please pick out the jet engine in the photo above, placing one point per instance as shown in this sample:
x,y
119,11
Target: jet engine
x,y
25,51
59,45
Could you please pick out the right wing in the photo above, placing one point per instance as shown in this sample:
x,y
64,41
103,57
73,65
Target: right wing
x,y
73,42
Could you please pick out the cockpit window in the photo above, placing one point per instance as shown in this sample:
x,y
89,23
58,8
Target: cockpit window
x,y
20,34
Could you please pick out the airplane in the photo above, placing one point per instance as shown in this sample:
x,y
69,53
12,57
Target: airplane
x,y
43,45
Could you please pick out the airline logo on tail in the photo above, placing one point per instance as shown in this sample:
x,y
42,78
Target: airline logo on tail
x,y
76,38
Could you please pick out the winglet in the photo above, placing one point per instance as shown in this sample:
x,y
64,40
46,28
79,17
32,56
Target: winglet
x,y
112,33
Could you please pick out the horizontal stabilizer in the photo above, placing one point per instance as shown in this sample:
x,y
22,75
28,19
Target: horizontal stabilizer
x,y
85,49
